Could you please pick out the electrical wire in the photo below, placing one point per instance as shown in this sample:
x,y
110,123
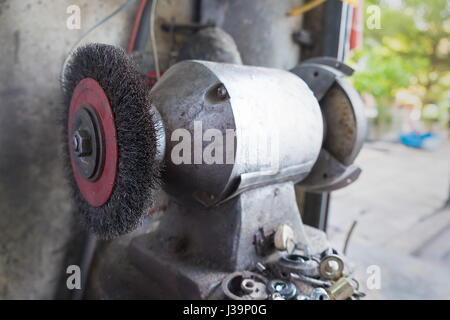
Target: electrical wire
x,y
152,38
66,60
349,234
305,7
137,21
90,246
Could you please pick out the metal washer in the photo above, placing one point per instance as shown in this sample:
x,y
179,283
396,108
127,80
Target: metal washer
x,y
89,92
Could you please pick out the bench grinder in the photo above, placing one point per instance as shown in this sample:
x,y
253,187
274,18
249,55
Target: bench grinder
x,y
226,142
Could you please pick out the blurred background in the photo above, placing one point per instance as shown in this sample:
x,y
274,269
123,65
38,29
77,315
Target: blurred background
x,y
400,203
396,216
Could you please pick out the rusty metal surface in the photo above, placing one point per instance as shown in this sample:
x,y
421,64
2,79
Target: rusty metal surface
x,y
342,129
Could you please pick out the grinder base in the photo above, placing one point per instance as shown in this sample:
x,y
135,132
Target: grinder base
x,y
189,250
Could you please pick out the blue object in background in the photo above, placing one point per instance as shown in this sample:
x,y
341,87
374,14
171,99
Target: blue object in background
x,y
427,140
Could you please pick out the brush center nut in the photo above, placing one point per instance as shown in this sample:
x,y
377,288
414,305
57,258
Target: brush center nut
x,y
82,145
87,143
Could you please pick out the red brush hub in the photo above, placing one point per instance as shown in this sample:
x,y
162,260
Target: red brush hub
x,y
92,142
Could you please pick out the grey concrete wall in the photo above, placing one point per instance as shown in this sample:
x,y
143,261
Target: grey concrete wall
x,y
261,28
36,221
39,235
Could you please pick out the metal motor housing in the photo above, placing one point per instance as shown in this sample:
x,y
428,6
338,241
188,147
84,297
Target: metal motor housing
x,y
270,118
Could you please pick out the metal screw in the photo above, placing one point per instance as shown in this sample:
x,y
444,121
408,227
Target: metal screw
x,y
82,143
287,289
221,92
279,286
331,266
319,294
260,267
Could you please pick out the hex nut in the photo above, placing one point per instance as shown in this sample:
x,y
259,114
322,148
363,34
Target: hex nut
x,y
82,143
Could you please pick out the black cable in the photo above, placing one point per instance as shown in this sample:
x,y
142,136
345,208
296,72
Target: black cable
x,y
349,234
144,28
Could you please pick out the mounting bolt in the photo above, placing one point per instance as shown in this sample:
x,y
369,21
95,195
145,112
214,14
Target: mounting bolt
x,y
81,142
222,92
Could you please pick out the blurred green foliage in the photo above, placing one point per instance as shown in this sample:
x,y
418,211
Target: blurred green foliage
x,y
410,49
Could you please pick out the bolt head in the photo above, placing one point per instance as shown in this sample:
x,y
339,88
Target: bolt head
x,y
82,145
221,92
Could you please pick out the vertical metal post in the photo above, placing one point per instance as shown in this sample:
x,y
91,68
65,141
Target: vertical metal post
x,y
331,34
315,209
336,15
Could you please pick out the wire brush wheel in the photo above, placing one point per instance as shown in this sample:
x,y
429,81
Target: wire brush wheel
x,y
110,140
